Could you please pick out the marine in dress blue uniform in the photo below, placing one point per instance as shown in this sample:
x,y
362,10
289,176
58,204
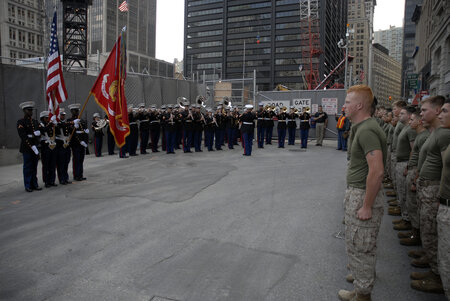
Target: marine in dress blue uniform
x,y
292,125
155,128
281,128
170,127
29,134
188,123
304,117
144,128
98,135
209,129
48,149
198,128
63,131
248,128
78,142
270,114
261,126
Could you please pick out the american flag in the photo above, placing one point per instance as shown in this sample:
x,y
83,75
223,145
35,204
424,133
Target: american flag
x,y
56,89
124,6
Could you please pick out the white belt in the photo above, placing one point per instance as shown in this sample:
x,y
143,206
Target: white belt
x,y
304,120
30,136
267,118
79,132
132,123
291,120
249,123
144,121
154,121
260,118
59,138
281,120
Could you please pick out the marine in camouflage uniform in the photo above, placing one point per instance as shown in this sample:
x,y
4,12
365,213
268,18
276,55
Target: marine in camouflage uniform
x,y
363,205
443,216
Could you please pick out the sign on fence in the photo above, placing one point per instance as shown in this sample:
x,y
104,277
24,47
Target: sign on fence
x,y
277,104
299,104
329,105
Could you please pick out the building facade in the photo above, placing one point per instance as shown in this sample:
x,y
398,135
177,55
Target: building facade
x,y
409,47
21,29
386,75
392,39
360,19
230,39
105,25
432,47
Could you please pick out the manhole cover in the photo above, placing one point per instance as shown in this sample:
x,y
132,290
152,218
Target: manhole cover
x,y
156,298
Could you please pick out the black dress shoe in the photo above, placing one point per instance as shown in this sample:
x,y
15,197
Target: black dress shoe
x,y
77,179
63,183
48,185
28,189
68,182
83,179
53,184
37,188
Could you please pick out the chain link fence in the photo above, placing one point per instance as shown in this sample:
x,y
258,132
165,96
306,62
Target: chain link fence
x,y
19,84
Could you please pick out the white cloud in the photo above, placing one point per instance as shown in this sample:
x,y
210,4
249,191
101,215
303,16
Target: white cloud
x,y
388,12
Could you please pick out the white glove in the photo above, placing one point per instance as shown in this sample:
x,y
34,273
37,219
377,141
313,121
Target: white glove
x,y
53,119
86,131
76,122
35,150
83,144
37,133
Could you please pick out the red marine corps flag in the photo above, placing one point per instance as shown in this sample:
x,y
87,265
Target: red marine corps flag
x,y
109,91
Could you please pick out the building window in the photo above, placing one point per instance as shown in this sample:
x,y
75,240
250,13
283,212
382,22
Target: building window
x,y
250,6
195,3
205,12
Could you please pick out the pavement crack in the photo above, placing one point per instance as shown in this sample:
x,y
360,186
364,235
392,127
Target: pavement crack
x,y
176,253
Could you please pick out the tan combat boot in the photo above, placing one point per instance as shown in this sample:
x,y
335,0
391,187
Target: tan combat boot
x,y
393,203
397,221
391,193
431,284
346,295
403,226
413,240
421,275
405,234
359,297
421,262
416,253
394,211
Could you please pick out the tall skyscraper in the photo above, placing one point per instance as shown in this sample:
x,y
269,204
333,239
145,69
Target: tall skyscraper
x,y
392,39
21,29
105,22
360,19
217,33
409,46
386,75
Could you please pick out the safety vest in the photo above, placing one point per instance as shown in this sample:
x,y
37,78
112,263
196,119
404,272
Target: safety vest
x,y
340,123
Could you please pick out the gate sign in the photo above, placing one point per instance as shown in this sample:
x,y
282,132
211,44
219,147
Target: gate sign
x,y
299,104
276,103
329,105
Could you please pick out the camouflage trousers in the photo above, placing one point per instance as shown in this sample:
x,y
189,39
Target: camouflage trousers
x,y
411,200
427,198
443,228
387,167
361,238
400,179
393,166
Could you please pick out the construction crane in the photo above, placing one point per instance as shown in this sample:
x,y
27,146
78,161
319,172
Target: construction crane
x,y
309,41
327,80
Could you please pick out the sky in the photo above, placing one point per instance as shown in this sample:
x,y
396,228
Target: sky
x,y
170,24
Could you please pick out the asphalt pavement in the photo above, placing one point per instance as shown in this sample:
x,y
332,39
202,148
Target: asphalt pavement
x,y
201,226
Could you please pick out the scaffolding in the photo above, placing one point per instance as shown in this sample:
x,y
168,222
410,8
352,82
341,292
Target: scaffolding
x,y
75,34
310,41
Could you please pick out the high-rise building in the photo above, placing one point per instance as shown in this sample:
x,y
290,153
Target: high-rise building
x,y
21,29
230,39
432,48
105,23
386,75
360,19
392,40
409,46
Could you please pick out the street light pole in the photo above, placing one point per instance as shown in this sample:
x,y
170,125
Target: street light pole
x,y
346,58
